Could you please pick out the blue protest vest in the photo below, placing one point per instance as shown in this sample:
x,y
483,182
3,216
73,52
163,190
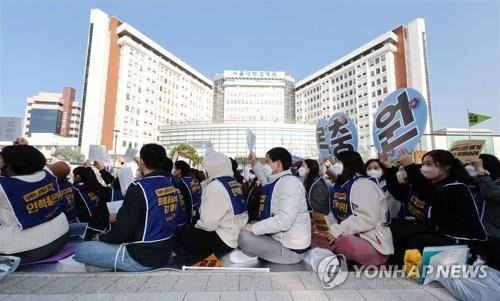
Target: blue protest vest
x,y
474,219
162,207
68,200
32,203
116,194
265,200
340,198
194,189
90,199
235,193
414,207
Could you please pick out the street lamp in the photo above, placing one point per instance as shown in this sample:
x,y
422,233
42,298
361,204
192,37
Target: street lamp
x,y
116,140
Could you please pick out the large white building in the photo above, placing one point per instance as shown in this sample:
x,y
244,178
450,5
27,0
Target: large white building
x,y
53,113
266,96
231,137
358,82
133,85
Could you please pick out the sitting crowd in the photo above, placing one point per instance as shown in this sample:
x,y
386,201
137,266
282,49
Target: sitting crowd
x,y
375,211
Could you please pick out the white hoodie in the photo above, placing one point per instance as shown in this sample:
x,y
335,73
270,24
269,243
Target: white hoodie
x,y
290,223
216,212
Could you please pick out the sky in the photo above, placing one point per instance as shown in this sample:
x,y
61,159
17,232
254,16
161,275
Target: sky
x,y
43,43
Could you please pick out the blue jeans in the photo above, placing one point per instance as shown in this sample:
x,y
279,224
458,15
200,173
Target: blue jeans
x,y
104,255
77,229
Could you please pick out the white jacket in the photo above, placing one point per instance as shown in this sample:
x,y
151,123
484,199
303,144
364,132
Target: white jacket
x,y
216,211
13,239
290,223
369,214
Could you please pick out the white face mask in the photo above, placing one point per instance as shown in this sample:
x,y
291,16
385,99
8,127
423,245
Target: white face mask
x,y
301,171
402,176
267,170
375,173
429,172
471,170
337,168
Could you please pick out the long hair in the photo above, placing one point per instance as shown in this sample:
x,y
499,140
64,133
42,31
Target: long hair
x,y
313,172
492,165
456,169
353,164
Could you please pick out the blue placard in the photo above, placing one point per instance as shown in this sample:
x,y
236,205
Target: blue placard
x,y
342,134
321,139
400,122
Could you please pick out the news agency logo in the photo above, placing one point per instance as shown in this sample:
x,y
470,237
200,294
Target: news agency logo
x,y
332,271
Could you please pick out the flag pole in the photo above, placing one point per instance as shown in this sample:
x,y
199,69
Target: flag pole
x,y
468,122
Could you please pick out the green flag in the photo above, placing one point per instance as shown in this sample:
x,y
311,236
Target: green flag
x,y
477,118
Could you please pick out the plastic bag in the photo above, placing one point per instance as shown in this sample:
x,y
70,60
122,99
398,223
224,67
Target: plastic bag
x,y
314,256
8,264
478,288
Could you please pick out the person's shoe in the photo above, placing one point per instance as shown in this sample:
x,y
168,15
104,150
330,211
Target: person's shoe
x,y
239,257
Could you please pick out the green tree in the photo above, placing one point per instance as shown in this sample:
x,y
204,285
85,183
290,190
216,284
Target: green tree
x,y
68,154
187,151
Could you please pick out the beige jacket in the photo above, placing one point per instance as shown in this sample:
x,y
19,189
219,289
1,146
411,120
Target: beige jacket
x,y
13,239
216,211
369,207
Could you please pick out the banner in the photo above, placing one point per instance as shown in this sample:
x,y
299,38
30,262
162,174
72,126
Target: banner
x,y
400,122
467,150
341,134
323,151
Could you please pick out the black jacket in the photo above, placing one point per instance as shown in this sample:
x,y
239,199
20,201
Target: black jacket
x,y
129,227
453,209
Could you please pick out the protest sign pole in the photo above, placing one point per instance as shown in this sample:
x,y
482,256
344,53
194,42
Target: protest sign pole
x,y
116,140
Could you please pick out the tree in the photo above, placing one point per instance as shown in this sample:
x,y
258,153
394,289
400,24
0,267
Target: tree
x,y
68,154
187,151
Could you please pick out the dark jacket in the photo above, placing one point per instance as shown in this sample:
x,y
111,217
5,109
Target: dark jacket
x,y
453,208
129,227
490,191
318,197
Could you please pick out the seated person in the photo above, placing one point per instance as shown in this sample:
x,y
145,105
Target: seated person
x,y
283,232
32,225
190,189
316,187
61,170
114,187
445,184
142,238
375,170
359,214
90,199
223,211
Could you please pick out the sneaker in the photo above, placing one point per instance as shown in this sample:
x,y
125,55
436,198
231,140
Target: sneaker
x,y
239,257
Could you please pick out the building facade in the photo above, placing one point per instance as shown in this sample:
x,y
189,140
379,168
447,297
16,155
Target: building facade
x,y
231,137
132,85
358,82
266,96
53,113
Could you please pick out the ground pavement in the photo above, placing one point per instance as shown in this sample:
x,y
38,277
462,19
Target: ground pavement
x,y
207,286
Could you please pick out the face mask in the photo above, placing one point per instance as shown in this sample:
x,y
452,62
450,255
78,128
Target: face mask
x,y
471,170
267,170
375,173
301,171
401,175
429,172
337,168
